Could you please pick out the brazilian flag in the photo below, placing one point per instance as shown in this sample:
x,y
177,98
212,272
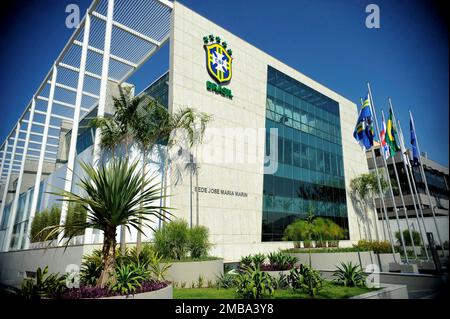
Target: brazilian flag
x,y
391,135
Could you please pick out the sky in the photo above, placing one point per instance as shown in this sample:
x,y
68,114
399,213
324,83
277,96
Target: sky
x,y
405,59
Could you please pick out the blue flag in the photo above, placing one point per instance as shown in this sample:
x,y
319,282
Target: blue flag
x,y
414,143
363,132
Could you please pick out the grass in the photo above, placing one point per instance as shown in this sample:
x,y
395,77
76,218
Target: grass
x,y
329,291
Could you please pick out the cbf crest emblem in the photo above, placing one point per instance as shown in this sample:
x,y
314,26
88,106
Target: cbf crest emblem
x,y
219,62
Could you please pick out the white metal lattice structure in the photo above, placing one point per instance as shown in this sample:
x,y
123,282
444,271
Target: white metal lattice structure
x,y
113,40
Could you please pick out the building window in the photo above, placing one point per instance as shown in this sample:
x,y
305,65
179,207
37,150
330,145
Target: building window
x,y
311,171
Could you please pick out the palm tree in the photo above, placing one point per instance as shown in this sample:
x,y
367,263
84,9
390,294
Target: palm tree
x,y
302,229
365,186
147,123
117,131
114,198
154,124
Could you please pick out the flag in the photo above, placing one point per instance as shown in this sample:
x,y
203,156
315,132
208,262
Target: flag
x,y
402,145
384,146
414,142
391,135
363,132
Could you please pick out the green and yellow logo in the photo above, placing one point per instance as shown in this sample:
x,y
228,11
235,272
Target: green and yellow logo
x,y
219,62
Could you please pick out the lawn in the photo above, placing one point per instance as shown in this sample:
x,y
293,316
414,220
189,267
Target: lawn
x,y
329,291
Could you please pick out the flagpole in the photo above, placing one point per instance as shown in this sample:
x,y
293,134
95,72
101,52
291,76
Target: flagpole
x,y
425,181
419,202
402,239
401,191
405,165
385,222
372,105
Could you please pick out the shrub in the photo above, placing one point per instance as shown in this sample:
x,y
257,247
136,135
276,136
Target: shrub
x,y
95,292
50,217
176,241
227,279
318,228
378,247
127,279
76,213
43,219
280,261
350,275
307,279
246,261
91,268
198,241
407,237
171,240
258,260
252,283
281,281
145,255
43,284
158,269
299,230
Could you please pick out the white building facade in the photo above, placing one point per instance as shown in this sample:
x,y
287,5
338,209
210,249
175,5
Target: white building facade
x,y
278,146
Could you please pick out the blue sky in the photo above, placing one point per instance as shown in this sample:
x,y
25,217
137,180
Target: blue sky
x,y
406,59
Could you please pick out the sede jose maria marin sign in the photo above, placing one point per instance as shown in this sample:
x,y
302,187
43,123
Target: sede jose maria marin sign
x,y
218,191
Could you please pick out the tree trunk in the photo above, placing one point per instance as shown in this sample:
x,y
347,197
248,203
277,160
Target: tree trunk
x,y
123,243
108,257
197,199
375,216
139,234
165,176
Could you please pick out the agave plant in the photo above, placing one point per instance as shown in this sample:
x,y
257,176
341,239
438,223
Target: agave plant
x,y
113,198
246,261
350,275
43,284
258,260
91,268
253,283
307,279
128,278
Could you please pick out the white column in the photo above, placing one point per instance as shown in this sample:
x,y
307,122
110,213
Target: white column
x,y
5,191
14,206
104,80
5,150
37,183
22,228
75,123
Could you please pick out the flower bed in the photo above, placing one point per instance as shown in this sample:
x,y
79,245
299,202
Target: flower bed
x,y
87,292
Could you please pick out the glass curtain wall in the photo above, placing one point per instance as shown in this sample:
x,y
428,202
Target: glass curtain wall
x,y
310,173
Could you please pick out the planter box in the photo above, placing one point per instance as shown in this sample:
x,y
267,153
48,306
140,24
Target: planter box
x,y
385,259
188,272
164,293
327,261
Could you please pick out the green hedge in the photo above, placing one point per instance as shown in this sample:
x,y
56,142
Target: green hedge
x,y
176,241
378,247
